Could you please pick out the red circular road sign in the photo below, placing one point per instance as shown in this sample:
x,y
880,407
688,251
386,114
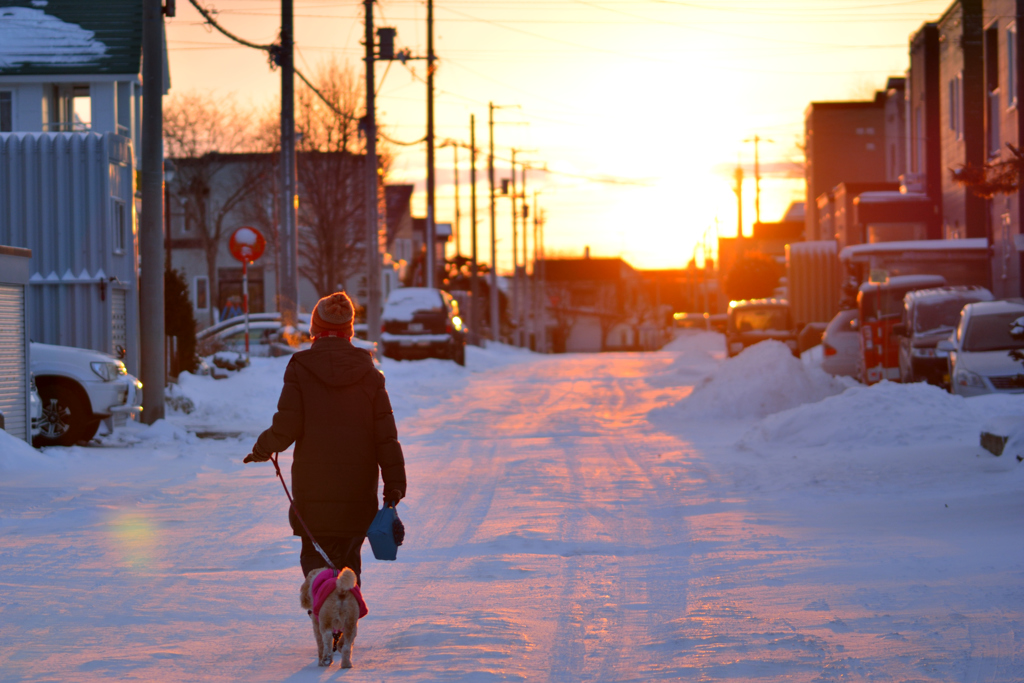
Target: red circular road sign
x,y
247,244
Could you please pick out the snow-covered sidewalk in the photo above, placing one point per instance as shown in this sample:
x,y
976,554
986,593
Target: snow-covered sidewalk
x,y
580,517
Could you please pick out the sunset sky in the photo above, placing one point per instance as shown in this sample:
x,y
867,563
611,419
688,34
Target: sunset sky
x,y
641,106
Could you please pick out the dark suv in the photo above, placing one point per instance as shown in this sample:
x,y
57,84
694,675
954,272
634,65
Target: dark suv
x,y
929,316
420,322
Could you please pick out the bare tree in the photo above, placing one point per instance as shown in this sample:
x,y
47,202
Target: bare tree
x,y
206,138
332,178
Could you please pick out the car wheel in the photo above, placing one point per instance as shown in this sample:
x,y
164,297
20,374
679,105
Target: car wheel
x,y
66,416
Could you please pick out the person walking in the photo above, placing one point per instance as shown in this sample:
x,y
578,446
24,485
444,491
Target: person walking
x,y
336,411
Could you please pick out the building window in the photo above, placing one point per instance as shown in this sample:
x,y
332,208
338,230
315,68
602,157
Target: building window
x,y
993,112
956,123
917,148
202,292
6,111
119,221
1011,66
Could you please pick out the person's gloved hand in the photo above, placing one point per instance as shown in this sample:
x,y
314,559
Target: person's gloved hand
x,y
257,455
398,531
392,497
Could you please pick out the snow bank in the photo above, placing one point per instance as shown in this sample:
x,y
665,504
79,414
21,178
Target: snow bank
x,y
762,380
16,454
245,402
884,415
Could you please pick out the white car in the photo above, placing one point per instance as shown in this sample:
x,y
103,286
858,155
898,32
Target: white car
x,y
841,344
986,351
78,389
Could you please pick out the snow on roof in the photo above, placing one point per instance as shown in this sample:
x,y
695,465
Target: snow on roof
x,y
905,281
995,307
937,295
855,251
31,36
404,303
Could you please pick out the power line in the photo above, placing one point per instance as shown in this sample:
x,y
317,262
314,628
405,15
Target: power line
x,y
273,51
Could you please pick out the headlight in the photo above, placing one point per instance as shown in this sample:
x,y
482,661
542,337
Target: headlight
x,y
108,371
966,378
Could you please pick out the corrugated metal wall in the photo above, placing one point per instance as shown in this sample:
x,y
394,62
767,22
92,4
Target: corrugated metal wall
x,y
812,269
69,198
12,360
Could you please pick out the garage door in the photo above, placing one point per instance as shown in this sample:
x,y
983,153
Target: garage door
x,y
12,359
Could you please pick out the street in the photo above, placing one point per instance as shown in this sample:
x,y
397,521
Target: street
x,y
565,522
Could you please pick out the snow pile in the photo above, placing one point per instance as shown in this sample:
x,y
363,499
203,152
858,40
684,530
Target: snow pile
x,y
883,415
763,379
245,402
16,455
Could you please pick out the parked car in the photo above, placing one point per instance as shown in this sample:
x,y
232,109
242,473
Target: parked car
x,y
692,321
79,388
266,337
929,316
755,320
986,352
879,306
841,344
240,320
420,322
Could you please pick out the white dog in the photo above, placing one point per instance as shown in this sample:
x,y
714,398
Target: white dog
x,y
334,604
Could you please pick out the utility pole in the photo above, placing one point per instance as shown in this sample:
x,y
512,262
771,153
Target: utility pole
x,y
495,314
151,233
515,255
288,304
738,175
522,278
757,176
474,278
373,304
539,244
431,215
458,215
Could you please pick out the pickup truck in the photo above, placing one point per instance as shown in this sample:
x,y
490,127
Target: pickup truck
x,y
79,388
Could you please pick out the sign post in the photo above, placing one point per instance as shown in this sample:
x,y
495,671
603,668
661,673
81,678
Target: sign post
x,y
246,245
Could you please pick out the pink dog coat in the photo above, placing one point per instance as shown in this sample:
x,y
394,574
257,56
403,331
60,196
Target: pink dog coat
x,y
323,586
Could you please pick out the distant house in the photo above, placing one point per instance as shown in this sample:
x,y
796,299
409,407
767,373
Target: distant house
x,y
70,110
68,65
845,142
597,304
242,192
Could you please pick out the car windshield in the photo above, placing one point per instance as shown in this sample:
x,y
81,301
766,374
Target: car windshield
x,y
884,302
992,332
939,316
763,319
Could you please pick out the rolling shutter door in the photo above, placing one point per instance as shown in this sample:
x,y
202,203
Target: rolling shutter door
x,y
118,320
12,360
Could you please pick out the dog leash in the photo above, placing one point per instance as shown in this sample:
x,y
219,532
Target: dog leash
x,y
273,459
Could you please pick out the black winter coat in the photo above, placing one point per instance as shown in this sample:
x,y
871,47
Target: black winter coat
x,y
335,409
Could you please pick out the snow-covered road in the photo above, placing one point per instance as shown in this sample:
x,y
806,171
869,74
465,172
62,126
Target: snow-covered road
x,y
570,518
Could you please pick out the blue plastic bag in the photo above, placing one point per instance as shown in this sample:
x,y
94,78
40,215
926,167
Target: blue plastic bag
x,y
382,534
